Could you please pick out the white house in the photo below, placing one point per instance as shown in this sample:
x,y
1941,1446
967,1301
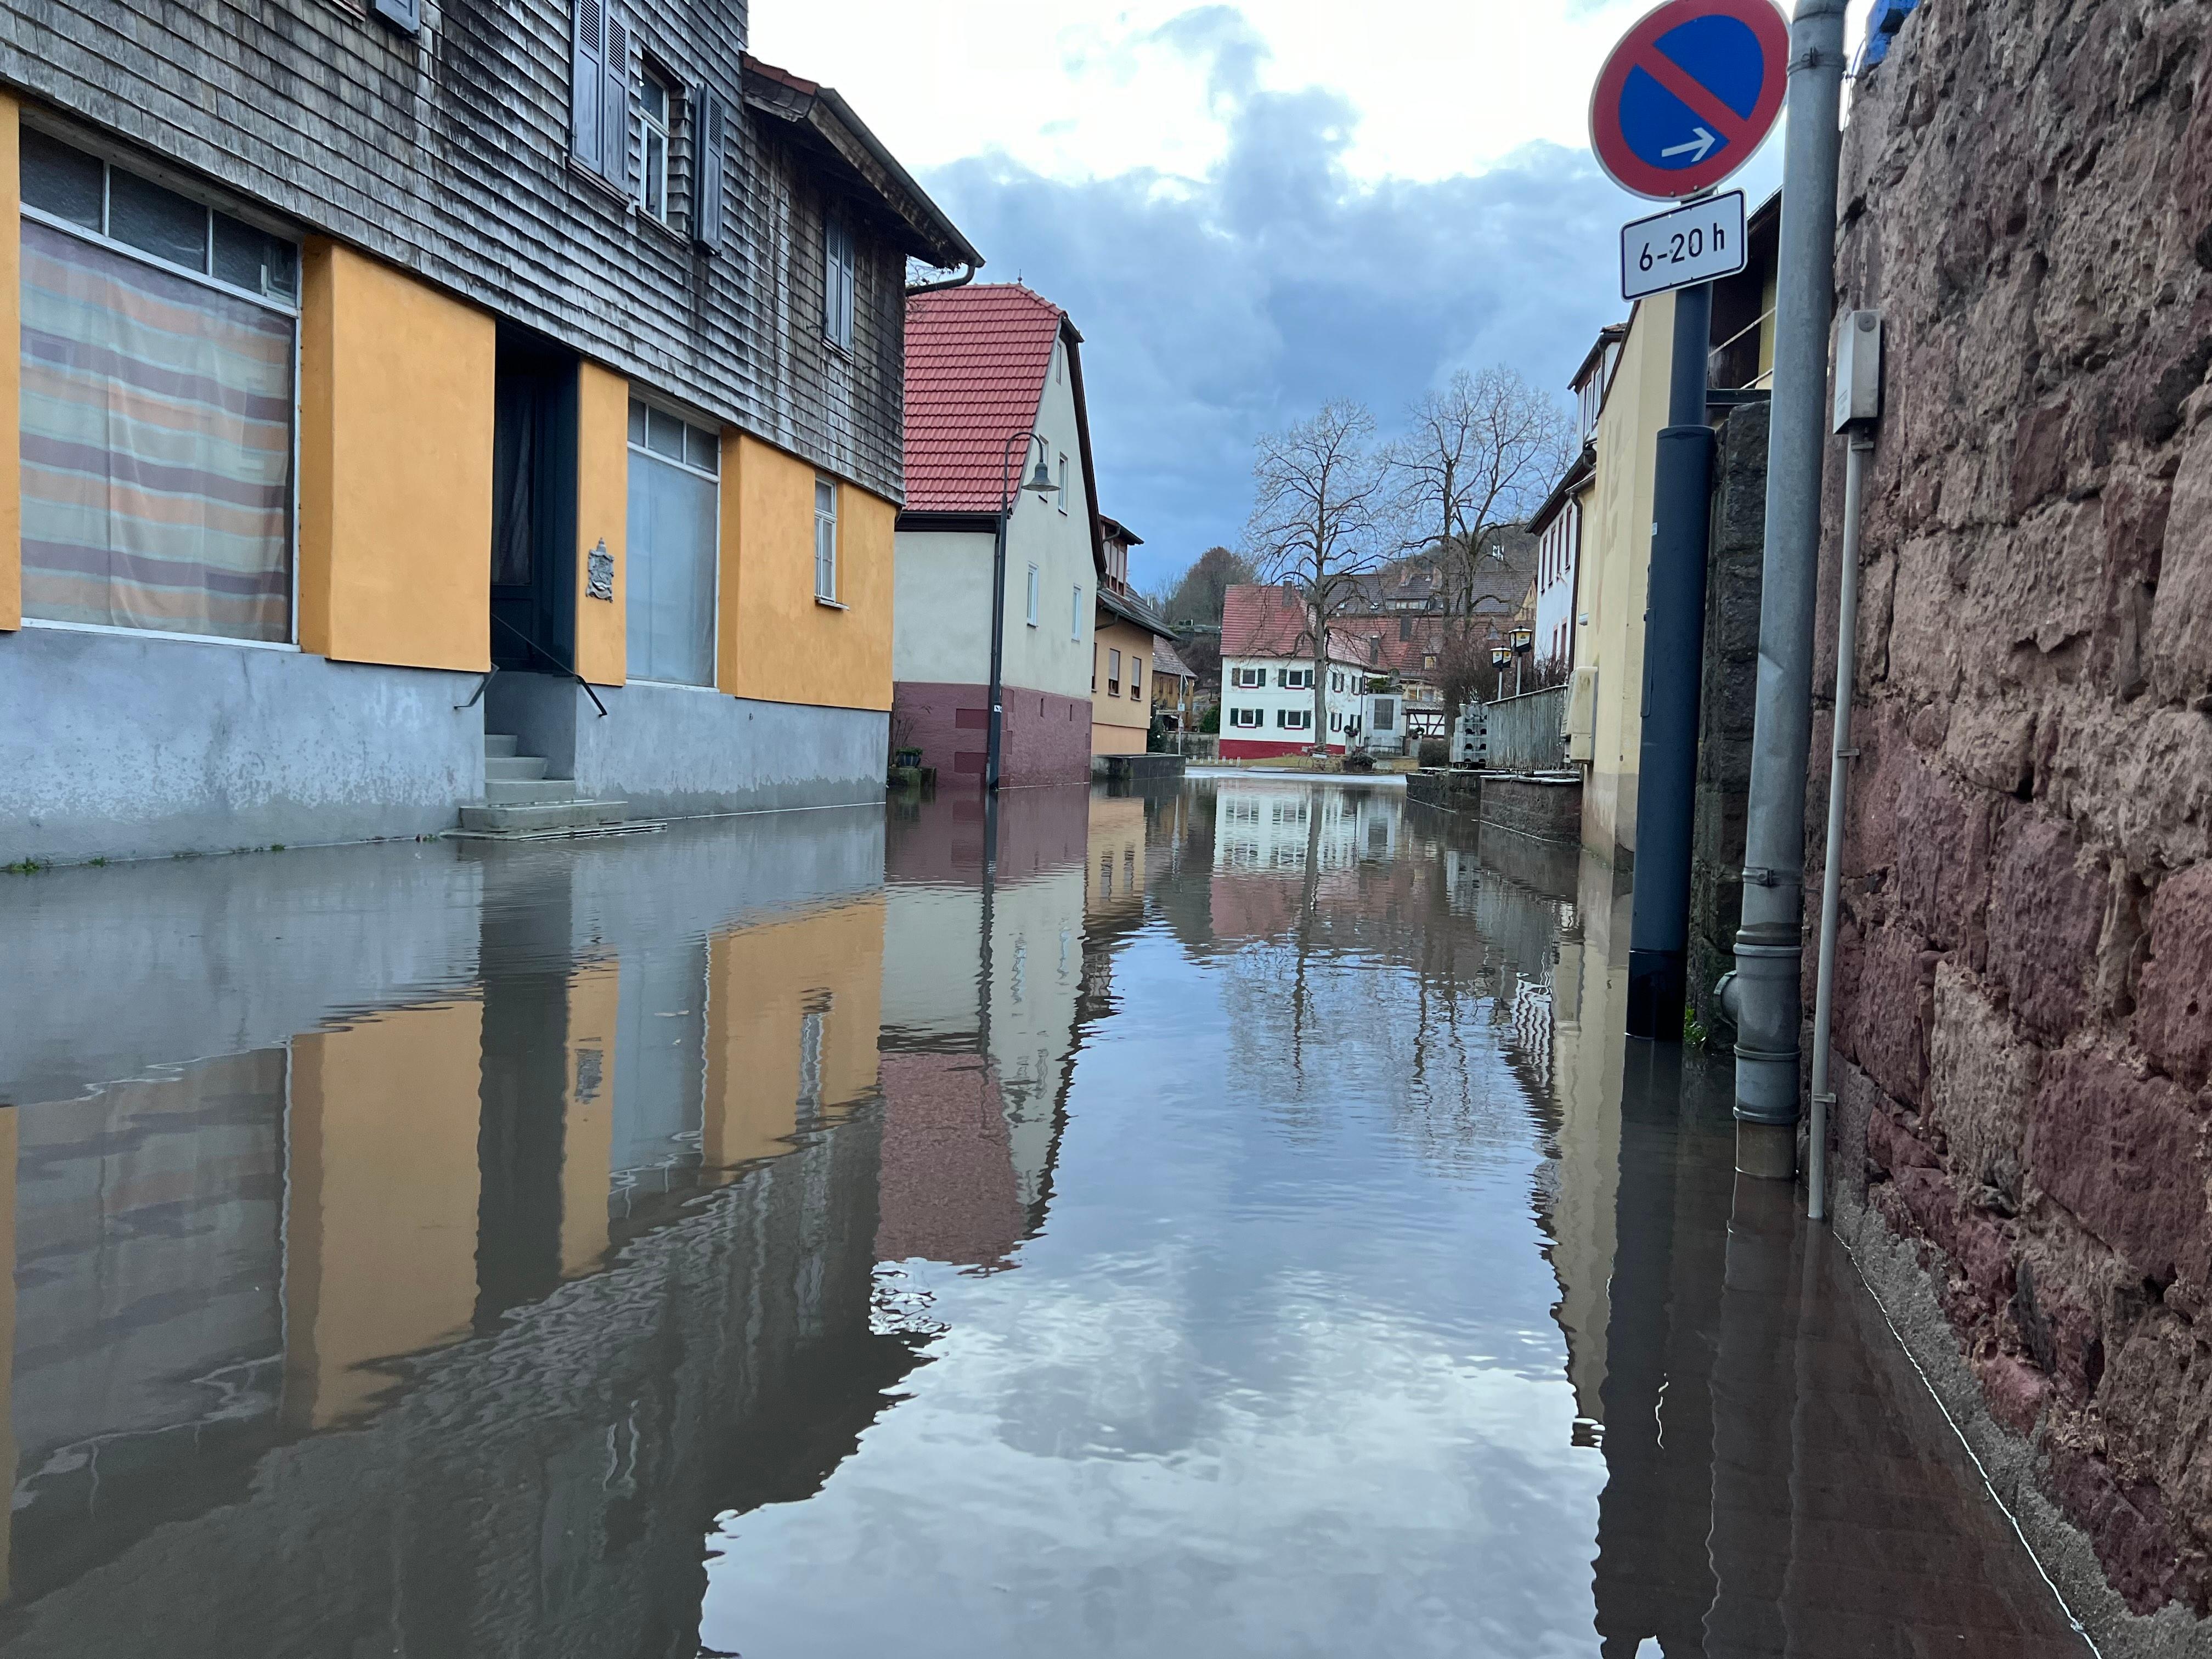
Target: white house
x,y
1266,678
985,364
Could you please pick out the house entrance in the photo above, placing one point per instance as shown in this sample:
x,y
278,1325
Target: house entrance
x,y
533,511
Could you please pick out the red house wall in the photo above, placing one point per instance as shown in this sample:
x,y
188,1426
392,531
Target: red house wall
x,y
1265,748
1046,738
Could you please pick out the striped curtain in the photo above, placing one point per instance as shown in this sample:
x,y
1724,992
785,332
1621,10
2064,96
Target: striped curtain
x,y
157,447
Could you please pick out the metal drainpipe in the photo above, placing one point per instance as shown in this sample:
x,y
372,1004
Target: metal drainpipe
x,y
1770,946
967,275
1847,645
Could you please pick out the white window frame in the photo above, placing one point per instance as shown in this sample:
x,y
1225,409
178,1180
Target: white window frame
x,y
1247,718
1297,679
650,174
1247,679
1294,720
826,522
205,279
1075,616
1063,481
839,261
713,682
1035,591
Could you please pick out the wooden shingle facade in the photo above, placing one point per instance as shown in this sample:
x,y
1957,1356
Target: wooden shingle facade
x,y
448,152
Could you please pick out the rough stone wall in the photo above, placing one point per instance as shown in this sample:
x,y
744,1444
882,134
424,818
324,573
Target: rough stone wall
x,y
2026,957
1726,703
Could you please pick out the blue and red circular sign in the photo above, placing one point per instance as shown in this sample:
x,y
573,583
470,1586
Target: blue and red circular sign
x,y
1688,94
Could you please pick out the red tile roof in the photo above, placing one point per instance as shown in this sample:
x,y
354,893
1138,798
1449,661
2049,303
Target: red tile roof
x,y
976,358
1267,621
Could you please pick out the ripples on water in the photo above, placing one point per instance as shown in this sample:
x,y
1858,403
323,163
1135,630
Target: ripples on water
x,y
1231,1227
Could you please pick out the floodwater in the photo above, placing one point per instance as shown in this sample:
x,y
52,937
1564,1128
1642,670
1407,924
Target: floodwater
x,y
1229,1224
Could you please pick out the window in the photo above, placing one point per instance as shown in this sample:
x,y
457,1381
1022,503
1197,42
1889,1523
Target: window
x,y
1247,717
1136,678
1247,678
1405,629
825,540
1075,616
1295,679
656,115
674,524
837,283
1113,673
158,338
1336,722
1063,483
1294,720
1033,596
598,92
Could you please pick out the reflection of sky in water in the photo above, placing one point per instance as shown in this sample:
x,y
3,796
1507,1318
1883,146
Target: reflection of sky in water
x,y
1273,1380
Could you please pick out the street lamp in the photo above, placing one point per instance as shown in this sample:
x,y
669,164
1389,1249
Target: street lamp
x,y
1524,641
1039,484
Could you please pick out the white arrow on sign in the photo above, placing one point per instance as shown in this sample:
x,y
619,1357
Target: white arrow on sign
x,y
1695,150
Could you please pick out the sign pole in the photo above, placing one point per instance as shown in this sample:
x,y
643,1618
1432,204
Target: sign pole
x,y
1674,664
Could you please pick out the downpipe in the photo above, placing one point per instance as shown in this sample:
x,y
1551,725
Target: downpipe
x,y
1841,754
1769,947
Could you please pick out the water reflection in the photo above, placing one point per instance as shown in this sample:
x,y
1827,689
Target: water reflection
x,y
1213,1221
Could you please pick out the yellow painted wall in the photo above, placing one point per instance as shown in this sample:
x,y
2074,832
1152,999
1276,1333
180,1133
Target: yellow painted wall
x,y
776,643
395,466
760,981
11,371
1118,726
1617,554
587,1136
602,514
1114,872
381,1230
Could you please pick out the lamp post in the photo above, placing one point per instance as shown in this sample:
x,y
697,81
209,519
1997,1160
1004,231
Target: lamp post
x,y
1524,640
1500,656
1039,484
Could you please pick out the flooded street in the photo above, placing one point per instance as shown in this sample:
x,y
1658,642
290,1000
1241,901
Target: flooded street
x,y
1218,1222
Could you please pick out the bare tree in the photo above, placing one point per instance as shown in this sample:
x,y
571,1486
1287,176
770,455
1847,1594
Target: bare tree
x,y
1479,455
1323,516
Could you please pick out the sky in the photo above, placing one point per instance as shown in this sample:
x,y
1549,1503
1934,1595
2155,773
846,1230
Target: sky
x,y
1249,210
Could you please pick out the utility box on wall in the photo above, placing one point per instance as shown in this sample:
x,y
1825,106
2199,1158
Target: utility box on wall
x,y
1858,368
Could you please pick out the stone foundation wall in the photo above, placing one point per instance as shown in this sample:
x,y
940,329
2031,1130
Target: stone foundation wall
x,y
2024,1003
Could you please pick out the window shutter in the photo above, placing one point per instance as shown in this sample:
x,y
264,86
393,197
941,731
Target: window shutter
x,y
587,54
614,105
709,141
406,15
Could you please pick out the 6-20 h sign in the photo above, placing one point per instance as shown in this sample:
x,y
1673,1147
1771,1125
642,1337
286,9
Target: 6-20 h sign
x,y
1694,243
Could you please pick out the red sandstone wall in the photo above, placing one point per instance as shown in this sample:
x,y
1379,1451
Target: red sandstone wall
x,y
1264,749
1046,738
2024,1005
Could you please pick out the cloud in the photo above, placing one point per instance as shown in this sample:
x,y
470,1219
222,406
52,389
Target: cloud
x,y
1218,306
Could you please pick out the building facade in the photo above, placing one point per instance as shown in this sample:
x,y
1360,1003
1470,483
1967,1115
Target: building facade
x,y
390,383
1267,671
988,365
1129,634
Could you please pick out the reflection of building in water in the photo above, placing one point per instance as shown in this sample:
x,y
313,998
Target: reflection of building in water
x,y
213,1266
1113,866
1589,1016
1255,828
992,970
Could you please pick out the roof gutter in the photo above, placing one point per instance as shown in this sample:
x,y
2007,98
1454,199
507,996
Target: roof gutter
x,y
890,164
967,275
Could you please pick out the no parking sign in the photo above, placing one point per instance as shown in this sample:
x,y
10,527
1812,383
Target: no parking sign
x,y
1688,94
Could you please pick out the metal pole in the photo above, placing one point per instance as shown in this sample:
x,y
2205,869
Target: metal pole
x,y
1823,995
1769,947
998,647
1674,662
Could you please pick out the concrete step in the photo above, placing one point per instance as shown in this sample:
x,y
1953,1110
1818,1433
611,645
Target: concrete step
x,y
543,817
528,792
515,767
500,746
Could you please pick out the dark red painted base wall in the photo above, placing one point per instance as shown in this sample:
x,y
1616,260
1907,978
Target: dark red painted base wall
x,y
1261,749
1046,738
